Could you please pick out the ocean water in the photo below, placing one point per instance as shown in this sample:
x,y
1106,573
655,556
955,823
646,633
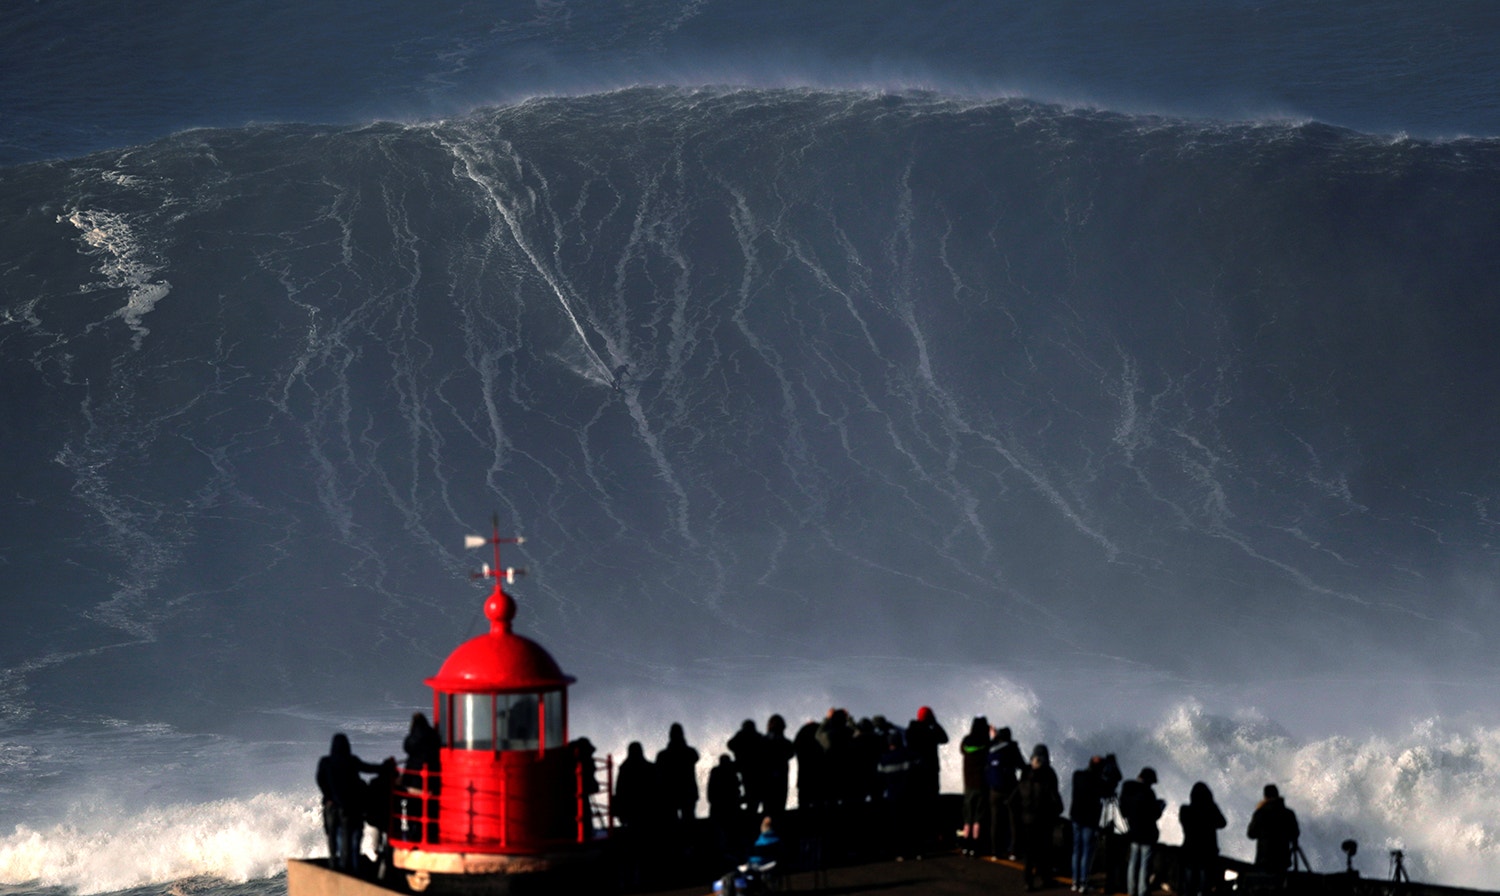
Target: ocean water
x,y
1123,372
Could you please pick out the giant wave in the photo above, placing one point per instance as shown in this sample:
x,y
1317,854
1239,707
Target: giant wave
x,y
770,379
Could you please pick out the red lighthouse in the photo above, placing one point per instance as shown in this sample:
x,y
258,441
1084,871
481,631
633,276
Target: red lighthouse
x,y
509,796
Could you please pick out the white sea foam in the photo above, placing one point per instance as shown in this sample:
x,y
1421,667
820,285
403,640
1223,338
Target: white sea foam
x,y
123,264
101,848
1427,791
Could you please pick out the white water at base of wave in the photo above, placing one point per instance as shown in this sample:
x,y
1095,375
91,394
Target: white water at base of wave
x,y
103,848
1426,789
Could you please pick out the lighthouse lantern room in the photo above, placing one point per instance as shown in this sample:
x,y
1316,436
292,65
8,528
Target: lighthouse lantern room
x,y
508,795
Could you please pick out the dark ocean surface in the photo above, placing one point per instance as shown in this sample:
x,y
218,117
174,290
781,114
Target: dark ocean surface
x,y
1124,372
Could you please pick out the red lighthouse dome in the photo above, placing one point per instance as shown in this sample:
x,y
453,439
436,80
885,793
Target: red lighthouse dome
x,y
500,660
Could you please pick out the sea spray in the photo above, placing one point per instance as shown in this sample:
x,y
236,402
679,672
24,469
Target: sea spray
x,y
102,848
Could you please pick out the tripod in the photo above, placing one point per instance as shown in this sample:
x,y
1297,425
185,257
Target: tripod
x,y
1299,858
1398,867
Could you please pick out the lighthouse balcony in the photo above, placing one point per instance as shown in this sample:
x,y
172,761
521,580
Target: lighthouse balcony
x,y
511,803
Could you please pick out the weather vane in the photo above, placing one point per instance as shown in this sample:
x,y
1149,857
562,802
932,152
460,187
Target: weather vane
x,y
497,572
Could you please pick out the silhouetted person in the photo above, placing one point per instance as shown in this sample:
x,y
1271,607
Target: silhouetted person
x,y
726,804
974,752
836,734
423,751
422,746
923,738
588,782
812,768
1274,829
748,747
1002,767
677,770
1114,849
343,802
1201,822
1041,807
379,794
1140,809
777,756
865,750
636,789
893,771
1084,810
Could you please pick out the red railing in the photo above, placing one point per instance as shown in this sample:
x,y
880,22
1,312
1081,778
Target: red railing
x,y
418,795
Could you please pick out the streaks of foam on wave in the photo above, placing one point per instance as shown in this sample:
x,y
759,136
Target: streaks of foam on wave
x,y
964,499
513,208
147,540
652,231
516,213
793,448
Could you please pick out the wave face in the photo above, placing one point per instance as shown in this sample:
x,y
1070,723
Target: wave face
x,y
774,382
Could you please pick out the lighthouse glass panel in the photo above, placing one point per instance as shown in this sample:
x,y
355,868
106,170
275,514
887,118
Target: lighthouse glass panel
x,y
473,721
519,721
553,721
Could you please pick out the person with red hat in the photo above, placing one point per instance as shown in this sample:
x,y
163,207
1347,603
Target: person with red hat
x,y
923,737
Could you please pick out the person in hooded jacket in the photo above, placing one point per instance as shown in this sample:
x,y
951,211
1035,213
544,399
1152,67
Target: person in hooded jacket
x,y
1141,810
840,764
1001,769
637,791
1274,829
1041,807
677,773
726,803
776,755
379,794
423,751
344,802
924,735
748,745
812,773
420,781
1201,821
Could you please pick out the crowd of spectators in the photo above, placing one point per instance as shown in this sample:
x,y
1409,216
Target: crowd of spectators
x,y
871,785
